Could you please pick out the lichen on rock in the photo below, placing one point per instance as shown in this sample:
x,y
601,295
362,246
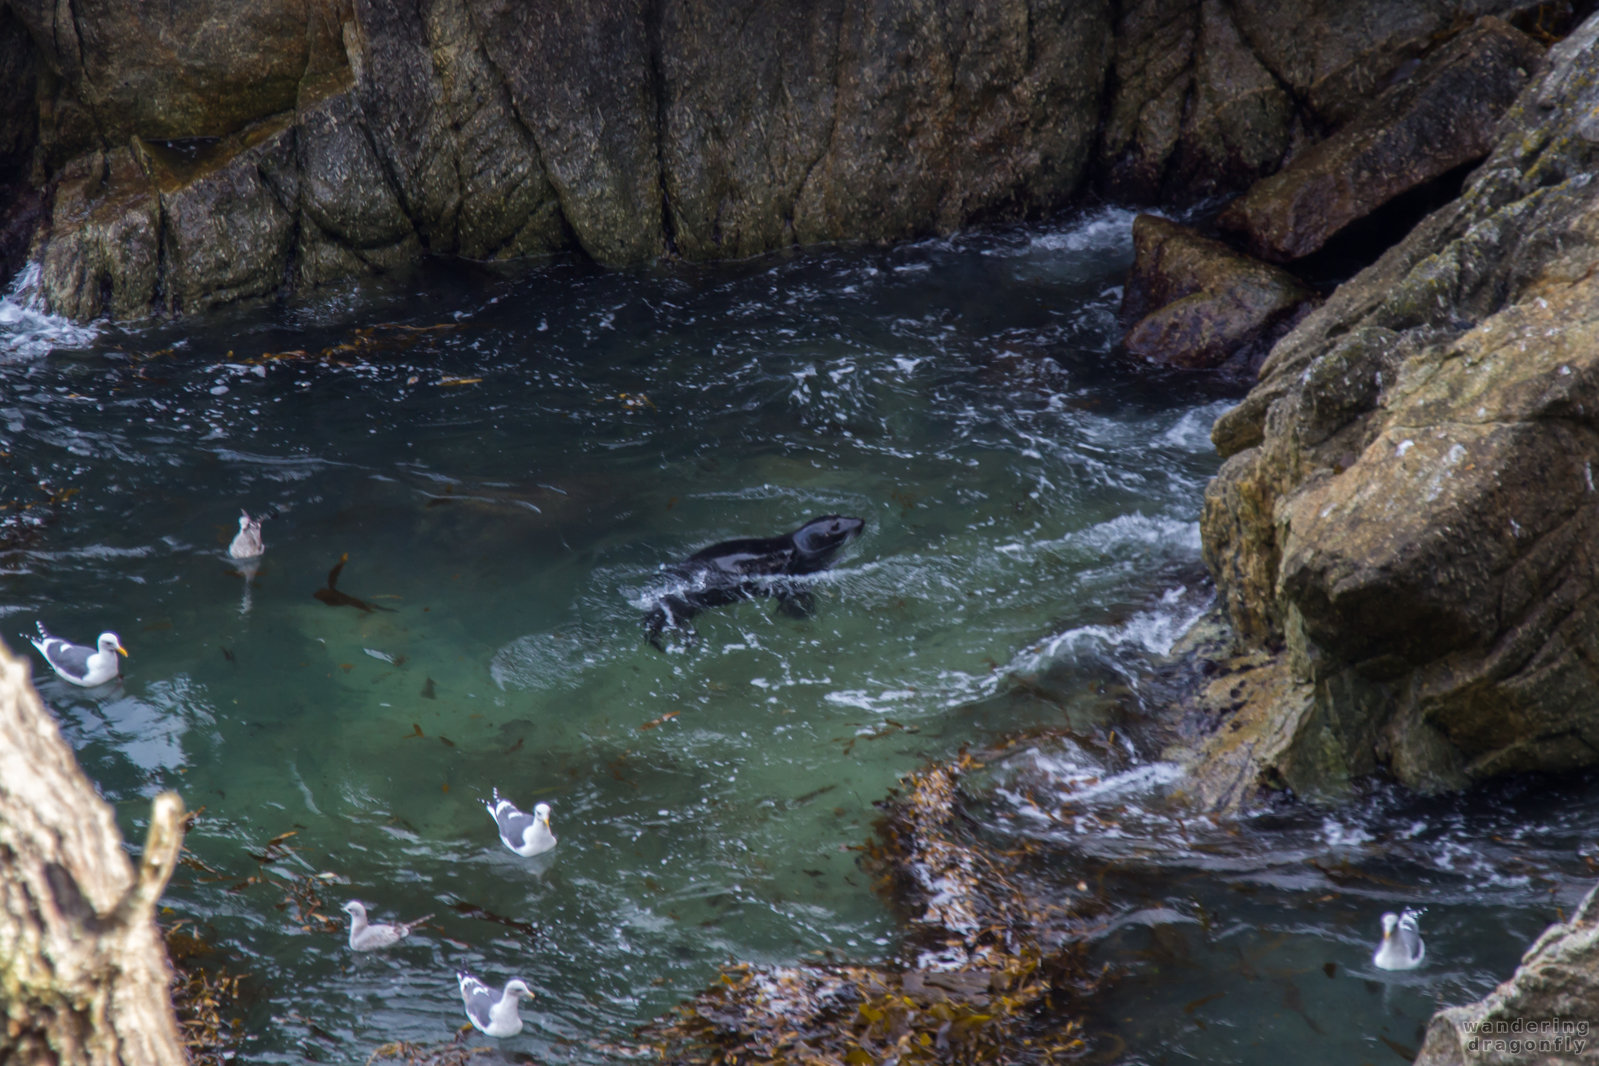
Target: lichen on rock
x,y
1408,508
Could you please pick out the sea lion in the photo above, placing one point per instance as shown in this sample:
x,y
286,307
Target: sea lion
x,y
742,569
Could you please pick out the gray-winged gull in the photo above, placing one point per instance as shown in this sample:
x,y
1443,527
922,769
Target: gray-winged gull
x,y
247,541
494,1015
1401,947
78,664
368,936
526,834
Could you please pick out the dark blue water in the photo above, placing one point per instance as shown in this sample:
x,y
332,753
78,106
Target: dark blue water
x,y
507,462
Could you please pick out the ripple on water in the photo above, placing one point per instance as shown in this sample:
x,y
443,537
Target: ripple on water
x,y
508,463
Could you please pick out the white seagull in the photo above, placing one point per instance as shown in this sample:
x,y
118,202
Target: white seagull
x,y
1401,947
494,1015
75,663
526,834
368,936
247,541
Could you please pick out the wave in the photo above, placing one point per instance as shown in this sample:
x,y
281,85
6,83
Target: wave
x,y
28,331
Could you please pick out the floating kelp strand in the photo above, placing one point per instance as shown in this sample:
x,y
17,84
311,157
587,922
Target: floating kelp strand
x,y
330,594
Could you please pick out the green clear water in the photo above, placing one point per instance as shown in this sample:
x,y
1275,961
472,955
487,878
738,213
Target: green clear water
x,y
508,462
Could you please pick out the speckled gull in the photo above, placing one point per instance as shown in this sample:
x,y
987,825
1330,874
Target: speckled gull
x,y
495,1015
247,542
1401,947
78,664
526,834
368,936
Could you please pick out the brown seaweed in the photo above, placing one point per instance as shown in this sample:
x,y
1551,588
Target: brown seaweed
x,y
331,595
992,974
472,910
452,1054
205,995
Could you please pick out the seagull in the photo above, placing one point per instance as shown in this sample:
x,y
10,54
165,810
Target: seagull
x,y
367,937
1401,947
495,1015
76,663
526,834
247,541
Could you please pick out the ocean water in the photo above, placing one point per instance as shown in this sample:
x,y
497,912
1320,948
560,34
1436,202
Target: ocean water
x,y
504,462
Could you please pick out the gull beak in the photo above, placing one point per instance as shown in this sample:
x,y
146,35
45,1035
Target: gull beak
x,y
122,650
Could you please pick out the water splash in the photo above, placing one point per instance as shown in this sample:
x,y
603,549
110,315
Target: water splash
x,y
28,331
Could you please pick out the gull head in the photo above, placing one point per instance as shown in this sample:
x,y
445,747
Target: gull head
x,y
109,642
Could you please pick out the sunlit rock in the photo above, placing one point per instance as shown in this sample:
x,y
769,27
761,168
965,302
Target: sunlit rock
x,y
1409,510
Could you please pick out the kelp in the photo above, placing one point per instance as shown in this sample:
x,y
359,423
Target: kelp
x,y
208,998
364,345
330,594
456,1054
26,512
990,973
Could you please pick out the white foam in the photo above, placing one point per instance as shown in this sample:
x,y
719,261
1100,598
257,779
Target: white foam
x,y
28,331
1191,432
1110,229
1154,631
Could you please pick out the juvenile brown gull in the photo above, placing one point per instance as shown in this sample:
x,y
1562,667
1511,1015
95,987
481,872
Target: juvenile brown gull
x,y
368,936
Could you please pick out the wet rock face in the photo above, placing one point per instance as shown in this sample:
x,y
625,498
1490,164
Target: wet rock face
x,y
1544,1013
1409,507
328,138
843,120
1198,304
1436,119
1207,97
351,137
189,68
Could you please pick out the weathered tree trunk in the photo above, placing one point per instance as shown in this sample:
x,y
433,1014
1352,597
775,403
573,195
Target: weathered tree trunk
x,y
83,972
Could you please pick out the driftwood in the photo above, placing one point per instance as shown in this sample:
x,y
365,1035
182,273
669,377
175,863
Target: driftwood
x,y
83,972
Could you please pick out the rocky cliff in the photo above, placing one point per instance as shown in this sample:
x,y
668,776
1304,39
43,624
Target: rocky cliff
x,y
1404,531
179,156
1544,1013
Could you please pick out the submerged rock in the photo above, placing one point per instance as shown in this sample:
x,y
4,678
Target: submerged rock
x,y
1545,1013
991,975
1408,513
1199,304
1440,117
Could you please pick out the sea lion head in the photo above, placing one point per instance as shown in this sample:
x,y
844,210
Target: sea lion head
x,y
817,540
